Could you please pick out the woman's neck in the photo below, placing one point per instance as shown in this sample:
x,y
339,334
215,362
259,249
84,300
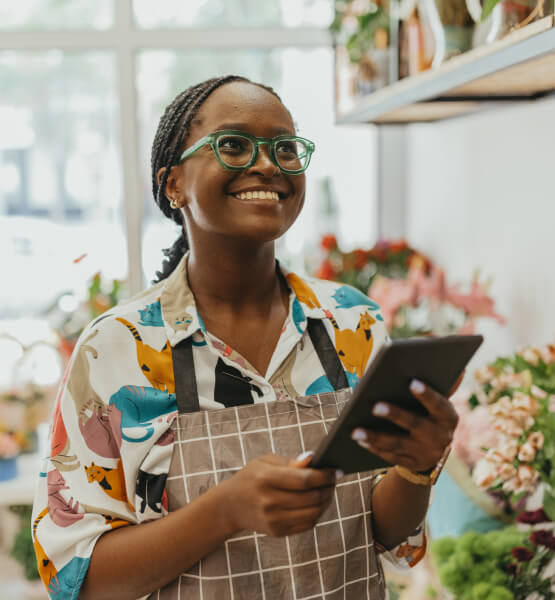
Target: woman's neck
x,y
232,275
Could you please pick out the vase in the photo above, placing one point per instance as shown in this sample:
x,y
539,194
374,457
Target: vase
x,y
507,16
8,468
459,505
451,26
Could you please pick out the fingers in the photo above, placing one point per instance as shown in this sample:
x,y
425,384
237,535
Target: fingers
x,y
319,497
303,460
436,404
457,383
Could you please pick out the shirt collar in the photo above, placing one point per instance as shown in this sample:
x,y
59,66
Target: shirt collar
x,y
181,318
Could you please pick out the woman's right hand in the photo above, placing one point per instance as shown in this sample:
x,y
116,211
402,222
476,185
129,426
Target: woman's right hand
x,y
278,497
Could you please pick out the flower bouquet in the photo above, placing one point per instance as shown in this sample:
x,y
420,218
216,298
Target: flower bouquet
x,y
411,290
519,394
508,564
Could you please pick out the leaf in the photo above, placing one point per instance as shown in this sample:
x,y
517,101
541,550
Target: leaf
x,y
489,5
549,503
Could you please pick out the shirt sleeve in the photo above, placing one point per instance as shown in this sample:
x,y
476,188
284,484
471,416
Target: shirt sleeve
x,y
87,484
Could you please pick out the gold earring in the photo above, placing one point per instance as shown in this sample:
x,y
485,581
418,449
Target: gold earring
x,y
173,204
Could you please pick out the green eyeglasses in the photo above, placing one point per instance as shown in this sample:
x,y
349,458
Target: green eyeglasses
x,y
237,150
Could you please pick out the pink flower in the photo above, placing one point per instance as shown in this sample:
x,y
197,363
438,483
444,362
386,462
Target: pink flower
x,y
531,355
476,303
391,294
527,452
8,446
509,427
536,440
485,374
503,407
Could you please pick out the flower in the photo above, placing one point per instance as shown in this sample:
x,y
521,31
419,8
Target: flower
x,y
525,402
527,475
507,471
533,517
326,271
511,568
485,472
543,537
509,449
329,242
536,439
527,452
522,554
8,445
537,392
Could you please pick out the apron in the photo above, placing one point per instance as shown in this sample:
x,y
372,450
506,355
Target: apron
x,y
334,560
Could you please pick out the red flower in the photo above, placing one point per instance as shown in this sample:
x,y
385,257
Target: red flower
x,y
329,242
543,537
360,259
326,271
522,554
511,568
532,517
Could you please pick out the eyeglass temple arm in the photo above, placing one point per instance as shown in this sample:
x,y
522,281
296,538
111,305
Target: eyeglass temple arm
x,y
207,139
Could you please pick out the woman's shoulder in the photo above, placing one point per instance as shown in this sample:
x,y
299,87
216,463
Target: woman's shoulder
x,y
141,311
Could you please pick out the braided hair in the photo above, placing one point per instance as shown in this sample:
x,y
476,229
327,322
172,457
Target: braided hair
x,y
170,138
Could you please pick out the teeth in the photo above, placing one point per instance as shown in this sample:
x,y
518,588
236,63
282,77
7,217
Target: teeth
x,y
258,195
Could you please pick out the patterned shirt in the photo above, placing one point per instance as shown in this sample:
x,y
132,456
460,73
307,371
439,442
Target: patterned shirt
x,y
110,438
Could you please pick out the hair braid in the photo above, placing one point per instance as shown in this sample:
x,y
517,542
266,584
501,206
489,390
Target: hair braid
x,y
170,137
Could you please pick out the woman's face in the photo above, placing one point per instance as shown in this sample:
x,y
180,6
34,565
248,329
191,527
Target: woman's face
x,y
211,195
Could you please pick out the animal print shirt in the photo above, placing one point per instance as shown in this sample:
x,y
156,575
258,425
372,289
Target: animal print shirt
x,y
110,439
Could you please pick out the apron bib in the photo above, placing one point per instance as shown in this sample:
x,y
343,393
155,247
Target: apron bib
x,y
334,560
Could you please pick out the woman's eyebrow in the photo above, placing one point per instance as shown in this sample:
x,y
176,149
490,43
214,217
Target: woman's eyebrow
x,y
245,127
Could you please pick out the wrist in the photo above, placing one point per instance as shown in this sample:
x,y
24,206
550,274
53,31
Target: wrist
x,y
427,477
228,504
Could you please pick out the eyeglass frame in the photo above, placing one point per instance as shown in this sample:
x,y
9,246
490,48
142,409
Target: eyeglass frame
x,y
211,139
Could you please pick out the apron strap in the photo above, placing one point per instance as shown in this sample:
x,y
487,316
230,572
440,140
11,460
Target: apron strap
x,y
327,354
184,374
184,366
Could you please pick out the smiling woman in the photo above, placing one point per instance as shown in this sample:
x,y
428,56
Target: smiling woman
x,y
188,410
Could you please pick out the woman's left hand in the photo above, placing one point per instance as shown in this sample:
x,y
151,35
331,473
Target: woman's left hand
x,y
428,436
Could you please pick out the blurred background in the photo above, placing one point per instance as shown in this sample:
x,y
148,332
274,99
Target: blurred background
x,y
447,223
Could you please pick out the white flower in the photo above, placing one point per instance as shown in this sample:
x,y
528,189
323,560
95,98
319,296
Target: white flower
x,y
522,418
484,374
502,407
537,392
485,473
511,485
506,471
508,427
527,452
531,355
527,475
525,402
508,449
536,439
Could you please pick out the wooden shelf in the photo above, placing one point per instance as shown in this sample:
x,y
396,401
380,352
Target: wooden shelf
x,y
519,67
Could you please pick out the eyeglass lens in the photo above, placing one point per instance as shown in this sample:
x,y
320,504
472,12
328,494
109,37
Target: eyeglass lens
x,y
236,151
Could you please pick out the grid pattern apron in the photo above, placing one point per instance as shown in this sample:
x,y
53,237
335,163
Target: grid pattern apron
x,y
334,560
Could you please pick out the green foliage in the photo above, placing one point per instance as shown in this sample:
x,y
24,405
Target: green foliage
x,y
488,7
22,549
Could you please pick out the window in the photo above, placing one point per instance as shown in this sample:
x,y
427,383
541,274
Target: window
x,y
81,98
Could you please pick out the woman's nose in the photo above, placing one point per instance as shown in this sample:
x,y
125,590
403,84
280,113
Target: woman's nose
x,y
263,163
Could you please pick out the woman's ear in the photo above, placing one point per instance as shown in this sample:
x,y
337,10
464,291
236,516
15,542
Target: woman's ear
x,y
173,189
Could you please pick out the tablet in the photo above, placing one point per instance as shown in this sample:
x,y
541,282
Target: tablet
x,y
436,361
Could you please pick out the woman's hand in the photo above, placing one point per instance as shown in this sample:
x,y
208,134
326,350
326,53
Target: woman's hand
x,y
278,497
427,438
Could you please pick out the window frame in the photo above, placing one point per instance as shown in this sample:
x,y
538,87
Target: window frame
x,y
126,39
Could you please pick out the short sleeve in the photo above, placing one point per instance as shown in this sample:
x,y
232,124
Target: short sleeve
x,y
87,484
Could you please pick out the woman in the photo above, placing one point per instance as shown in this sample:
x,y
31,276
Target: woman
x,y
184,402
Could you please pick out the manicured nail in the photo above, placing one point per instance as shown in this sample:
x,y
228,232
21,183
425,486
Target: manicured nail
x,y
304,455
339,474
381,409
417,386
359,434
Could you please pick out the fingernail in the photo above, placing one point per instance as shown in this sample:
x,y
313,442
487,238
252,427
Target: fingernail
x,y
359,434
339,474
304,455
417,386
381,409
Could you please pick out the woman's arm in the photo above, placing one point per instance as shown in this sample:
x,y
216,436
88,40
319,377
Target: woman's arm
x,y
398,508
268,496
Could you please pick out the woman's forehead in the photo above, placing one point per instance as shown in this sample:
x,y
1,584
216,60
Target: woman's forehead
x,y
245,103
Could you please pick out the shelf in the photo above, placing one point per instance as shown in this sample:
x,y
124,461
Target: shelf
x,y
519,67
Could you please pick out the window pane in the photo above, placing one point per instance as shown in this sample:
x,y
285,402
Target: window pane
x,y
335,164
56,14
60,183
233,13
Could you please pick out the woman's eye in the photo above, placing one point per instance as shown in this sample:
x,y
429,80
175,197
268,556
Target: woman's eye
x,y
233,144
287,148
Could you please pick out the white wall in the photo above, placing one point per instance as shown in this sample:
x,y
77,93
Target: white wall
x,y
481,193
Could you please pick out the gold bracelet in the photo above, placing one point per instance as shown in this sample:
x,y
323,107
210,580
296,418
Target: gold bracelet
x,y
422,478
417,478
